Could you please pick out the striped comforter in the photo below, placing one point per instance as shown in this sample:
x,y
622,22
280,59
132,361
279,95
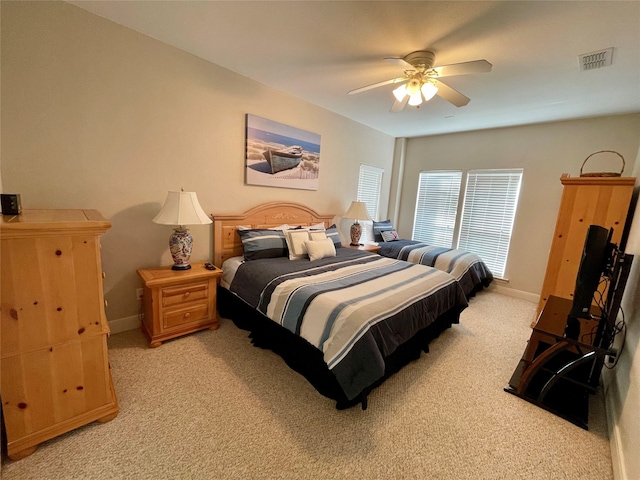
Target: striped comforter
x,y
467,268
356,308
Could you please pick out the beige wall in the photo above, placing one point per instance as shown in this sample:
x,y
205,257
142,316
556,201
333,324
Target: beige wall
x,y
95,115
544,151
623,382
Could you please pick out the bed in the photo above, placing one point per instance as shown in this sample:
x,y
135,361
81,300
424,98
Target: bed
x,y
347,320
468,268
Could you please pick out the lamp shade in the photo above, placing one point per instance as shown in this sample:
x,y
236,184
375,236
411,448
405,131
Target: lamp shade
x,y
429,90
416,99
182,208
357,211
400,92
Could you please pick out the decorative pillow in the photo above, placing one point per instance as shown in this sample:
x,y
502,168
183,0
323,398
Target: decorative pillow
x,y
379,227
263,243
334,235
317,234
295,242
318,249
390,236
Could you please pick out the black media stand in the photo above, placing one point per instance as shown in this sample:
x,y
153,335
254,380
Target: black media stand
x,y
558,373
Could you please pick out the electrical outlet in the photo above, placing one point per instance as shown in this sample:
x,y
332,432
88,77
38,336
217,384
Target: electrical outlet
x,y
139,293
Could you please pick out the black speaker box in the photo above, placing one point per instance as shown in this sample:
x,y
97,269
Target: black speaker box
x,y
10,204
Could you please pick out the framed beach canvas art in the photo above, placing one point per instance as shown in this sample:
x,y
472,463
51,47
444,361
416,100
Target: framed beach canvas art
x,y
279,155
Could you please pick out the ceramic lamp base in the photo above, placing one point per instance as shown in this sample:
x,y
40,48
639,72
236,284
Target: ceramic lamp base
x,y
180,245
355,232
181,267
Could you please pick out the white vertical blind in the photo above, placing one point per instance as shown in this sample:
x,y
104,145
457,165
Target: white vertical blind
x,y
369,185
436,207
490,202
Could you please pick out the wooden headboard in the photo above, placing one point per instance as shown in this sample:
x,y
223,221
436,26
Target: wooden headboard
x,y
226,241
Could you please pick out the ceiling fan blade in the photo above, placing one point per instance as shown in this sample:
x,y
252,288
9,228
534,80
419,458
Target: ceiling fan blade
x,y
451,95
379,84
464,68
401,62
398,106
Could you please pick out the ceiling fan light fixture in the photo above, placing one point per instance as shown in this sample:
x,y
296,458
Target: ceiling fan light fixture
x,y
416,99
421,80
400,92
429,90
413,87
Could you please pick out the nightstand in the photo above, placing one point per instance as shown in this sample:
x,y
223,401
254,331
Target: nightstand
x,y
366,248
178,302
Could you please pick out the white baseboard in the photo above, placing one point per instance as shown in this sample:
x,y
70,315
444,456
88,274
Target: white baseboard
x,y
511,292
615,442
120,325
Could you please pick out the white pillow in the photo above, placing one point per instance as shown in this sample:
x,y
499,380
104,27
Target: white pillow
x,y
344,225
279,227
317,235
295,243
367,231
317,226
318,249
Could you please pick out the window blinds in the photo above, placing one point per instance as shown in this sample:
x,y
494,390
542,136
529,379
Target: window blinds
x,y
369,185
437,207
489,209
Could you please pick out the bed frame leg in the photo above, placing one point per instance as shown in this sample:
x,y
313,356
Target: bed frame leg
x,y
365,403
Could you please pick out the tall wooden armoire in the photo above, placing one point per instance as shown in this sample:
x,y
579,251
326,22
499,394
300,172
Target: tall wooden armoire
x,y
54,365
603,201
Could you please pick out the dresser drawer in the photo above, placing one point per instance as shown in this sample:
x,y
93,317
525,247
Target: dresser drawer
x,y
191,314
184,293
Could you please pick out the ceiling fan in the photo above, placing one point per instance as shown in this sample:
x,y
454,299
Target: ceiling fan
x,y
421,80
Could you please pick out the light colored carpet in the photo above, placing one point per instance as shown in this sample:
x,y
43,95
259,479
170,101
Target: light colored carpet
x,y
211,406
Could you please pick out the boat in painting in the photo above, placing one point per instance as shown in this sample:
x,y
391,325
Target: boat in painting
x,y
284,159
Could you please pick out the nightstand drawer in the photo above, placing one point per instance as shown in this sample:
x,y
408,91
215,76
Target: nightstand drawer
x,y
184,293
191,314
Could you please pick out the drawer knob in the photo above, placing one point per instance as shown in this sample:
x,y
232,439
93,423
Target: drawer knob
x,y
187,294
187,315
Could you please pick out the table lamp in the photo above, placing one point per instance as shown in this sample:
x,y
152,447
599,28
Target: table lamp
x,y
181,208
357,211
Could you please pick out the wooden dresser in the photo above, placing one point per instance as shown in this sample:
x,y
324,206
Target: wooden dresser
x,y
603,201
55,370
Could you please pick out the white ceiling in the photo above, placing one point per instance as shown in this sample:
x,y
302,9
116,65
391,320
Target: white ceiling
x,y
318,51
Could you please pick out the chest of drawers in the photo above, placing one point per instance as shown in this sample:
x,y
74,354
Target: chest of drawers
x,y
55,368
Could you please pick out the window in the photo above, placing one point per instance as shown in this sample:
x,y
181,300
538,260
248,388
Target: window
x,y
490,201
437,207
369,185
486,221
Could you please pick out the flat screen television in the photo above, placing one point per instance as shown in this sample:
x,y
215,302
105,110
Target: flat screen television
x,y
595,257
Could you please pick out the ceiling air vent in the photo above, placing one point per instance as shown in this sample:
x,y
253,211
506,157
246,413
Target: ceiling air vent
x,y
593,60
